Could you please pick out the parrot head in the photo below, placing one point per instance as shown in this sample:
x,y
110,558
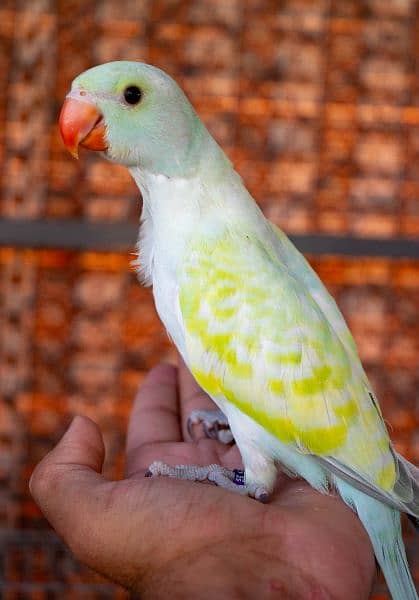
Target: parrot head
x,y
136,115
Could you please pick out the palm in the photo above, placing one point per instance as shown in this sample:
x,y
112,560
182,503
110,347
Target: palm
x,y
318,535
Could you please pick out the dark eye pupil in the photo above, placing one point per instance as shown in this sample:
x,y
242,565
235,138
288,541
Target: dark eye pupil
x,y
132,94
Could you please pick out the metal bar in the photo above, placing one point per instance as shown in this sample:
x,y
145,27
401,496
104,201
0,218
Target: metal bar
x,y
80,235
356,246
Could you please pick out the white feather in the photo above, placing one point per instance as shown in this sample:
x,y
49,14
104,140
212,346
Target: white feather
x,y
174,209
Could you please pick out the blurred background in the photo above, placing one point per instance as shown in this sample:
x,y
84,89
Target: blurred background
x,y
316,102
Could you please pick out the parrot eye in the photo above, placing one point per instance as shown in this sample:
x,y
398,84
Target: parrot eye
x,y
132,94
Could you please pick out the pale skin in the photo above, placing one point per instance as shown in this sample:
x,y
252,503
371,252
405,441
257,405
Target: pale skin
x,y
165,538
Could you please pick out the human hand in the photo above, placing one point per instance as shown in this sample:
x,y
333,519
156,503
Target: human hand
x,y
166,538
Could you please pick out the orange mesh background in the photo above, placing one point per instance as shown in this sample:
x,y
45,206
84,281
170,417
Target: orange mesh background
x,y
316,103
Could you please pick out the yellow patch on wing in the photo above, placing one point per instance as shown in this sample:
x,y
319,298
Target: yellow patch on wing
x,y
208,381
293,358
256,338
387,476
276,386
348,410
324,440
315,383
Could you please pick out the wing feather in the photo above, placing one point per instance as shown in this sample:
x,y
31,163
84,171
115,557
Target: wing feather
x,y
263,333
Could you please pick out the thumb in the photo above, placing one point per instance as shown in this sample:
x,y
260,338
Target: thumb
x,y
67,484
98,519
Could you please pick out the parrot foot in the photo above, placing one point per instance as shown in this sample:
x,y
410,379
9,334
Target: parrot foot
x,y
214,422
229,479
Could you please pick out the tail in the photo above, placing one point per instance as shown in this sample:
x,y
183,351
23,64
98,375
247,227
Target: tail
x,y
382,523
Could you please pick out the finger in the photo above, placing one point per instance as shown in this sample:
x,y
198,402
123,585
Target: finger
x,y
191,397
68,485
155,414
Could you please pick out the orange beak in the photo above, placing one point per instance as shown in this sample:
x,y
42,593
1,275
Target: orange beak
x,y
81,124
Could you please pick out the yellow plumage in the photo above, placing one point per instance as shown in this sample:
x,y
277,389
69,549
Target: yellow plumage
x,y
256,338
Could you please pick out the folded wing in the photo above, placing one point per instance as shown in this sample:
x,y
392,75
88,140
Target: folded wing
x,y
258,334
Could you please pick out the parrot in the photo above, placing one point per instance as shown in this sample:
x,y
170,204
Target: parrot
x,y
251,319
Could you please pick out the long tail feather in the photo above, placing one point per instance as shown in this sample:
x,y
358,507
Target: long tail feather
x,y
382,523
403,497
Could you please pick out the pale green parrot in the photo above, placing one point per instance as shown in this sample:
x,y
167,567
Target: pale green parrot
x,y
251,319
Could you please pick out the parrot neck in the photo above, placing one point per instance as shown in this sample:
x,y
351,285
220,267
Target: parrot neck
x,y
177,210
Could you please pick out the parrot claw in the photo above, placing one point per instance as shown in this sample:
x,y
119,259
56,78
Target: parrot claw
x,y
214,423
229,479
